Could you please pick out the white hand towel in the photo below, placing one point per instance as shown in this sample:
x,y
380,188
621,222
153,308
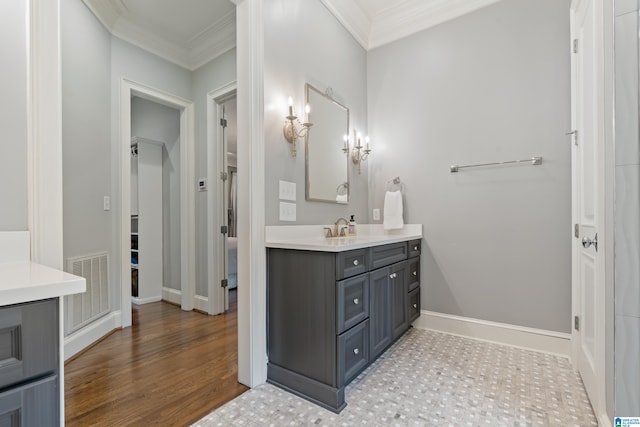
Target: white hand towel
x,y
393,210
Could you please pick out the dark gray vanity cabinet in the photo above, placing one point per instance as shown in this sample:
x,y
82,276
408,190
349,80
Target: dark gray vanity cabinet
x,y
29,356
330,314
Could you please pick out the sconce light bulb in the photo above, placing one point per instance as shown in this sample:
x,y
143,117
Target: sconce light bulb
x,y
290,101
359,135
366,139
307,109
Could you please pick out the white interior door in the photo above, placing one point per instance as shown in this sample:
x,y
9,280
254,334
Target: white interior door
x,y
225,203
588,295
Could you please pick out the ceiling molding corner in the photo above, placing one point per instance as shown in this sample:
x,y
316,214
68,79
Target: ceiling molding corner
x,y
413,16
353,18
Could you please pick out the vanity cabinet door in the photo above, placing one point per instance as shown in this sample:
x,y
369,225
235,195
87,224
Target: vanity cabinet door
x,y
353,301
352,263
379,311
32,404
28,341
353,352
414,305
414,273
399,299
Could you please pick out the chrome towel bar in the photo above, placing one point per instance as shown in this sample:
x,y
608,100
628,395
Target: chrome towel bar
x,y
535,161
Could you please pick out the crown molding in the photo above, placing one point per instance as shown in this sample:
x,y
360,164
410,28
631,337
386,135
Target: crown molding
x,y
218,38
413,16
373,29
353,17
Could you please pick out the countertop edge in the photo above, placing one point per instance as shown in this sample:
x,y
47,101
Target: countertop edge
x,y
59,283
323,246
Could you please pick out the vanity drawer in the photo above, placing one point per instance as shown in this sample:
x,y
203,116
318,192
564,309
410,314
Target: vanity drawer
x,y
28,341
384,255
353,302
414,304
353,352
414,273
352,263
415,247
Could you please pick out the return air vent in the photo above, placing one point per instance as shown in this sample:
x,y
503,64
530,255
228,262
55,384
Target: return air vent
x,y
82,309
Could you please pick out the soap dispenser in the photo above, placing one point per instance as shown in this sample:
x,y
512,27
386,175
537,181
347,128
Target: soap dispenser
x,y
352,226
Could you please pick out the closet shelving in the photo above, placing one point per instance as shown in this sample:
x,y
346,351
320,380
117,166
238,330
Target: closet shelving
x,y
134,255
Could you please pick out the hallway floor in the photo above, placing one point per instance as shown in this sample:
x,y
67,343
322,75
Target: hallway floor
x,y
433,379
171,368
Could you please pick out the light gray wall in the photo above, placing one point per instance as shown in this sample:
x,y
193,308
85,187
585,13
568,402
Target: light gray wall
x,y
489,86
158,122
304,43
86,161
13,115
211,76
627,212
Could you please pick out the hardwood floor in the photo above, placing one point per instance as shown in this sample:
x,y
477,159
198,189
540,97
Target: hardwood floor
x,y
171,368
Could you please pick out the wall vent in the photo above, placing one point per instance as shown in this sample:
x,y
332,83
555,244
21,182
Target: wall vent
x,y
82,309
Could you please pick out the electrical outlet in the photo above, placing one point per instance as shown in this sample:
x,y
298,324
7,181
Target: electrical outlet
x,y
376,214
287,211
287,190
106,203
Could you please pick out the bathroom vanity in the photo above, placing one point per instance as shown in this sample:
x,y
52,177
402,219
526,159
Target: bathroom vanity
x,y
31,349
334,305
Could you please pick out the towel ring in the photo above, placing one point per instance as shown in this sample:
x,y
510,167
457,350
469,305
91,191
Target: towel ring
x,y
395,184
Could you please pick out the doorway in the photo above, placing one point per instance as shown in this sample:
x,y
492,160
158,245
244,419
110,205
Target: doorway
x,y
129,90
222,206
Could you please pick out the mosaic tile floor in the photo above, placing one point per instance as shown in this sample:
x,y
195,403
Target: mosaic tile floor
x,y
432,379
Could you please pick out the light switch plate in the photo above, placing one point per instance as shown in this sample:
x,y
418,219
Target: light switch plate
x,y
287,211
106,203
287,190
376,214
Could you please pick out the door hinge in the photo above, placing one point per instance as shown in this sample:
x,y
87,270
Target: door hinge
x,y
224,176
224,229
574,136
576,323
575,45
576,231
223,123
224,283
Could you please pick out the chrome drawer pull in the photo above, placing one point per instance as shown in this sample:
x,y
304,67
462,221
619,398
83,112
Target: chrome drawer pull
x,y
415,305
356,301
356,351
415,248
355,262
392,276
415,273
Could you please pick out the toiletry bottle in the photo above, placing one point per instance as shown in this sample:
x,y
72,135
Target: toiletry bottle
x,y
352,226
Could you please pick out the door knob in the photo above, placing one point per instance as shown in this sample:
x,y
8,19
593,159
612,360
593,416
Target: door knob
x,y
586,242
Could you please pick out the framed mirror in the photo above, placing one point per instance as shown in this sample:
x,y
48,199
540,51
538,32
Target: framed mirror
x,y
327,177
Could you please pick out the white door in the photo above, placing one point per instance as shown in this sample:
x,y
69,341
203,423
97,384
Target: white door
x,y
224,146
588,296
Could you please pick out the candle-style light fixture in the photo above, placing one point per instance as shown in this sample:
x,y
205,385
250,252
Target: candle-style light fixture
x,y
359,153
293,128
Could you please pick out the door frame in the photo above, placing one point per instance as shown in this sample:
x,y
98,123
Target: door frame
x,y
216,242
128,89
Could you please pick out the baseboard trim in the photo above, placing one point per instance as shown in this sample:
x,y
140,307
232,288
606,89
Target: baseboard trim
x,y
83,338
140,301
174,296
540,340
201,303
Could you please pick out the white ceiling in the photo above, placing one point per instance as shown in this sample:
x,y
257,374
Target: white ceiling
x,y
190,33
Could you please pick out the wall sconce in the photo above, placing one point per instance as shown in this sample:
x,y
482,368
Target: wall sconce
x,y
359,153
293,129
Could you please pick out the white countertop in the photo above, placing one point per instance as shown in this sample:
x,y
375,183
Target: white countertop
x,y
24,281
311,237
